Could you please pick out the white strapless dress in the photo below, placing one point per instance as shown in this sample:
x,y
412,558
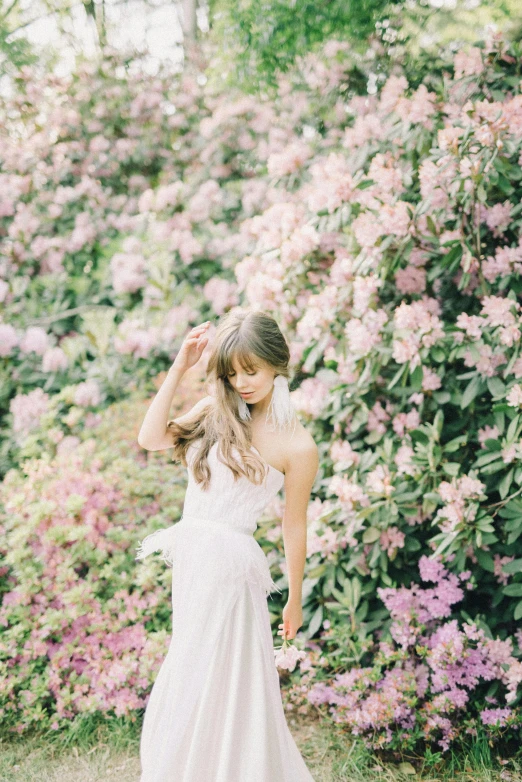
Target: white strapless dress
x,y
215,712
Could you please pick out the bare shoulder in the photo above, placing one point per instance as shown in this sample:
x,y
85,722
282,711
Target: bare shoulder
x,y
302,452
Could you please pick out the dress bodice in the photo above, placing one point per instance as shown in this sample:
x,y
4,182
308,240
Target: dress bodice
x,y
237,503
215,535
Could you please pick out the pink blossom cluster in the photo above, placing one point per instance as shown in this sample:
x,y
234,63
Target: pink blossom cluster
x,y
28,409
135,339
497,322
416,326
428,676
72,622
460,497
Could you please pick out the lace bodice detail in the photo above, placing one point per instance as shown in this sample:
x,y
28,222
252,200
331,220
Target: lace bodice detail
x,y
238,503
222,522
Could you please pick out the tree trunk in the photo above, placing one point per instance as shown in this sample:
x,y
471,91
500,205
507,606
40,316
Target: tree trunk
x,y
189,20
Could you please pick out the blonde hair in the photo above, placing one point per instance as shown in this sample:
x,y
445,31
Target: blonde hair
x,y
255,340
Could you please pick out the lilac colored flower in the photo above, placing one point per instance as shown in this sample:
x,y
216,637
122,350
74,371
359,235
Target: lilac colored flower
x,y
320,693
495,716
431,569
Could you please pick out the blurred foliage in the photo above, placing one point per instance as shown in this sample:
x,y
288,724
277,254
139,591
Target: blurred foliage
x,y
255,42
260,40
15,52
425,28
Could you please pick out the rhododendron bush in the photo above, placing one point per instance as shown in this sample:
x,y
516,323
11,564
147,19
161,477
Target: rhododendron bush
x,y
382,229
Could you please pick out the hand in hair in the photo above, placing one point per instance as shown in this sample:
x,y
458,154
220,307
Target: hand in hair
x,y
192,347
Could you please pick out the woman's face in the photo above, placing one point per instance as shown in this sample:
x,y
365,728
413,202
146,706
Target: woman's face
x,y
253,384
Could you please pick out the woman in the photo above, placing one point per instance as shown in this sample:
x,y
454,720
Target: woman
x,y
215,713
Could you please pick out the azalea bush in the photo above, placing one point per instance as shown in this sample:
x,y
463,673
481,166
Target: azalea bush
x,y
429,680
376,211
83,629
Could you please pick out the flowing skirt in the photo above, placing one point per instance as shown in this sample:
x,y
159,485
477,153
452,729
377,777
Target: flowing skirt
x,y
215,712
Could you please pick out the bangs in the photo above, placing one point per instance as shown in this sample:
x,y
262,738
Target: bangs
x,y
244,358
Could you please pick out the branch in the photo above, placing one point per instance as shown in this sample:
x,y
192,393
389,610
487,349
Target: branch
x,y
8,11
67,314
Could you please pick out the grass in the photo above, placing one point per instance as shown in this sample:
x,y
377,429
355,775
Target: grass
x,y
112,752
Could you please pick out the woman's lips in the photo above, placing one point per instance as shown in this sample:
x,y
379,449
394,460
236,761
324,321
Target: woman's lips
x,y
248,394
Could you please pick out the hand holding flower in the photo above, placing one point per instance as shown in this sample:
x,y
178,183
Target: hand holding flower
x,y
292,620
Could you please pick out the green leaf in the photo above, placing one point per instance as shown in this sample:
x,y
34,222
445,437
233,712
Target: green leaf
x,y
407,496
448,540
397,376
456,443
488,457
485,560
451,468
513,523
505,483
418,436
496,386
513,590
364,183
416,376
512,429
407,768
499,419
356,587
505,185
517,614
431,225
513,567
491,469
412,544
513,536
513,510
442,397
371,534
452,259
438,421
315,622
471,391
438,355
493,445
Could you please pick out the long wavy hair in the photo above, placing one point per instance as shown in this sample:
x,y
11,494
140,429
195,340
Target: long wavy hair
x,y
255,340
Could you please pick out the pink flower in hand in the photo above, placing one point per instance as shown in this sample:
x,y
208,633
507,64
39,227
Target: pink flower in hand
x,y
287,655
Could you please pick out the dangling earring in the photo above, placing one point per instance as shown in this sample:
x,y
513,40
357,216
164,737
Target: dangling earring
x,y
280,412
244,412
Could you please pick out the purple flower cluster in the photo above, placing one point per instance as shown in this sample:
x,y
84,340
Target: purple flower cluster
x,y
425,684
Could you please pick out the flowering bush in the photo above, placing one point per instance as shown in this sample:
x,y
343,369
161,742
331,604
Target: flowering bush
x,y
83,629
376,212
431,682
